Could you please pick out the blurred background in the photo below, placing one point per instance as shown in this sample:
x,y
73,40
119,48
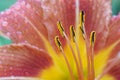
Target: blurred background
x,y
4,4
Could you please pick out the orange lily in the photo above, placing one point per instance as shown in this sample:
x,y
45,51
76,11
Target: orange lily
x,y
32,26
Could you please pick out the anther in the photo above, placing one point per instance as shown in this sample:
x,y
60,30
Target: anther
x,y
82,17
83,32
92,38
72,33
57,42
82,27
59,45
60,28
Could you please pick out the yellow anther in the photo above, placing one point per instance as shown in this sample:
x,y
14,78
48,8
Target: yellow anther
x,y
60,28
92,38
82,17
83,31
57,42
72,33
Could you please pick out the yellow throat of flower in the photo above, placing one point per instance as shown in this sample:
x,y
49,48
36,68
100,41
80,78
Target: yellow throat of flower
x,y
76,59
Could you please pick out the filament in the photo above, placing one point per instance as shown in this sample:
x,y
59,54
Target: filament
x,y
73,53
59,45
78,51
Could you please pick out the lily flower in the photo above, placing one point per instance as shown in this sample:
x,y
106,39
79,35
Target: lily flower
x,y
60,40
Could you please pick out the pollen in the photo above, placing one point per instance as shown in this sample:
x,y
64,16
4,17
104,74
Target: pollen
x,y
57,41
92,38
60,28
72,33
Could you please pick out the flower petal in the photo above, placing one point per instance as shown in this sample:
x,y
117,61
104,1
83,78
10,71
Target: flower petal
x,y
23,22
19,78
114,32
98,14
115,70
22,60
58,10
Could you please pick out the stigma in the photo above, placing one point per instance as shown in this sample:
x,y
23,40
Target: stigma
x,y
74,36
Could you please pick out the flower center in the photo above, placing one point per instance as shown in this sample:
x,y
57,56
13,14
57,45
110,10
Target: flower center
x,y
77,58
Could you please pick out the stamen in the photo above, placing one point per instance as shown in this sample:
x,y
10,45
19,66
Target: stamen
x,y
74,56
60,28
92,38
82,26
72,33
58,43
82,17
90,51
90,54
78,52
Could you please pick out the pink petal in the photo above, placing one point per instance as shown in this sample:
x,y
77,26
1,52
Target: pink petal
x,y
115,70
19,21
58,10
22,60
114,32
98,14
46,13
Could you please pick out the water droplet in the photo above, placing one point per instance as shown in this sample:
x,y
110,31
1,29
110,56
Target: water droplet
x,y
8,11
4,51
23,3
2,12
18,32
26,73
26,41
8,34
12,55
118,55
11,68
28,6
0,62
4,23
18,7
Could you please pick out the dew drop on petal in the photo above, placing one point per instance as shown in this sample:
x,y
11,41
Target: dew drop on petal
x,y
12,55
8,11
4,23
0,62
18,7
19,34
118,55
2,12
11,68
26,73
23,3
28,6
8,34
4,51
